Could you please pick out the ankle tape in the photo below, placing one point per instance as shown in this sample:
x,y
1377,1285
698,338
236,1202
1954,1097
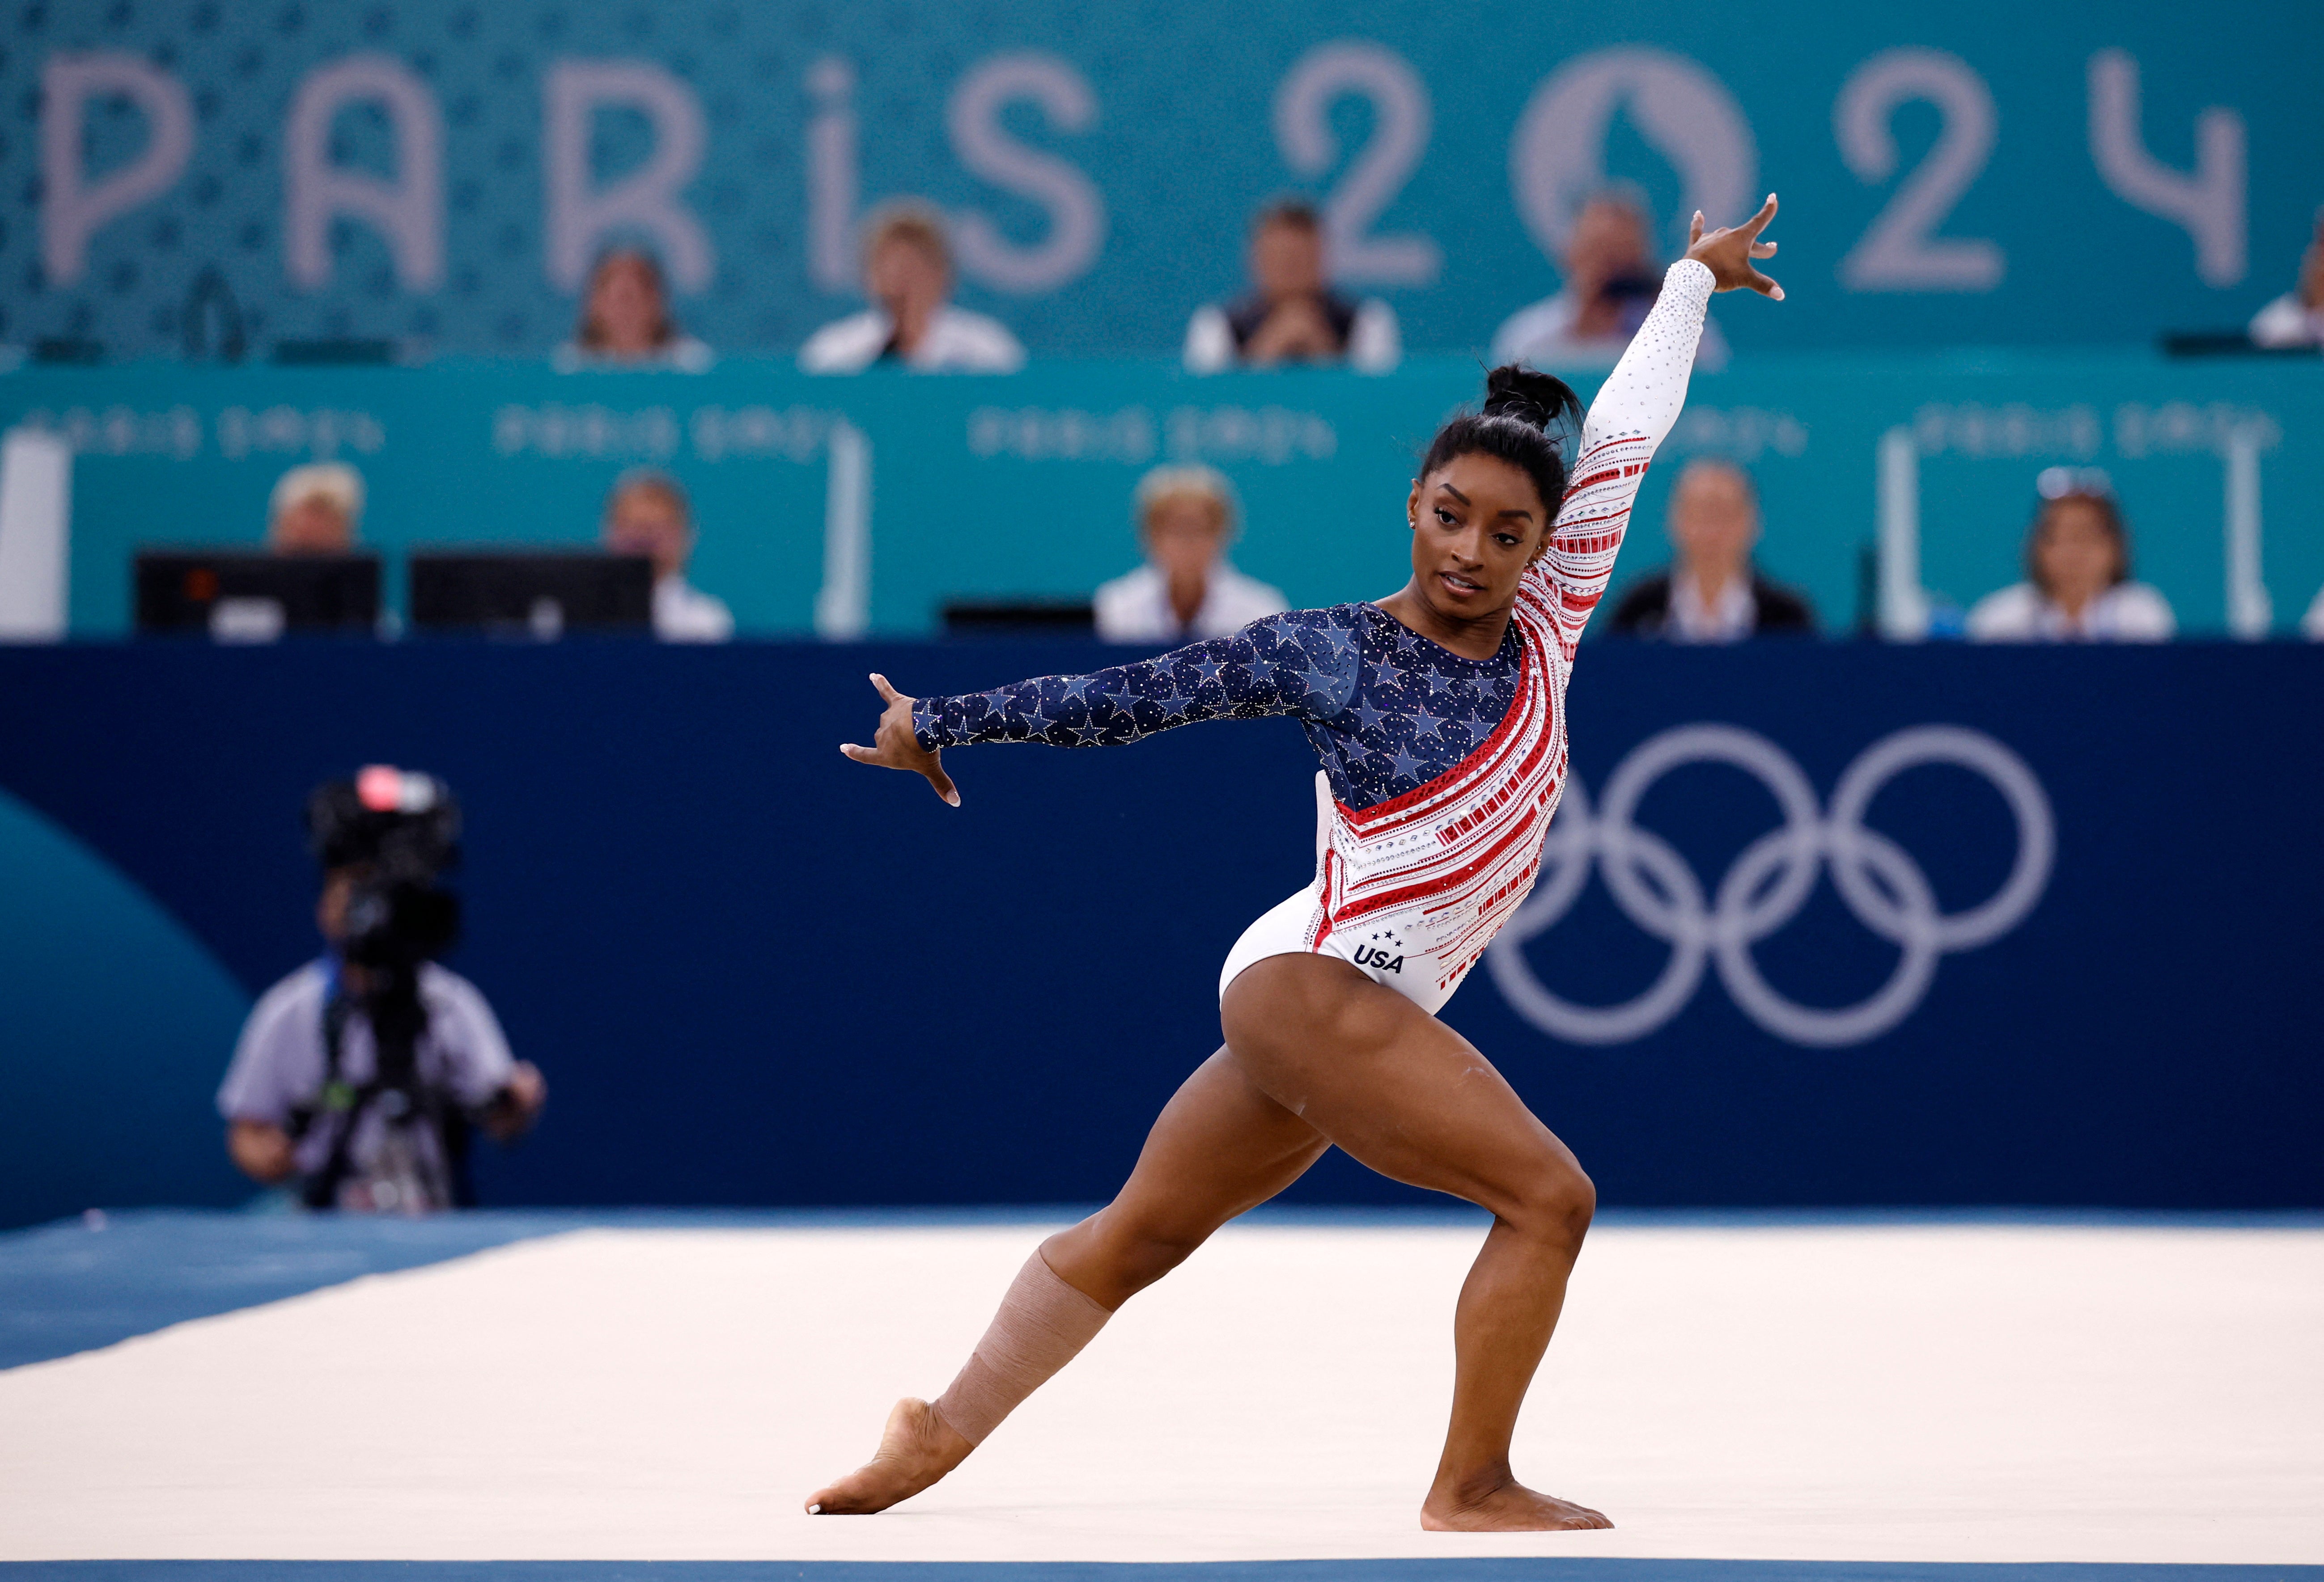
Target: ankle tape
x,y
1043,1323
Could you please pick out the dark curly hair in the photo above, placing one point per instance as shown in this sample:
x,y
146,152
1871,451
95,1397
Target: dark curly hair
x,y
1525,415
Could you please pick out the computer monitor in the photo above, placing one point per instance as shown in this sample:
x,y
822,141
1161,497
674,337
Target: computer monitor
x,y
247,595
530,592
1018,618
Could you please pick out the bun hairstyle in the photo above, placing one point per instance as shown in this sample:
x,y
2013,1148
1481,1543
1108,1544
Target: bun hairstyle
x,y
1525,417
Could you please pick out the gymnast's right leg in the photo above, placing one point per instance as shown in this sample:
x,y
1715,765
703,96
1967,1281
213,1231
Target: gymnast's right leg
x,y
1219,1147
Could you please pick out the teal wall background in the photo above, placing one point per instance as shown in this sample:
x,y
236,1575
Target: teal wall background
x,y
1022,484
119,1023
1110,154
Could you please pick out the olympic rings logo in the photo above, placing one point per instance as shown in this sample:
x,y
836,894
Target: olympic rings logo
x,y
1768,883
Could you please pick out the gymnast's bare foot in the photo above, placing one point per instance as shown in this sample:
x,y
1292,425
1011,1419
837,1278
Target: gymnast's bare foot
x,y
1501,1505
915,1449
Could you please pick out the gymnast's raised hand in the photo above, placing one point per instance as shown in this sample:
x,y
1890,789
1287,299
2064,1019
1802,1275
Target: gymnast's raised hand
x,y
896,747
1728,251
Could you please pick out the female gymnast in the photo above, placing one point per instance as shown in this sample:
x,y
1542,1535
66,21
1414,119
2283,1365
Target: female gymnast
x,y
1438,713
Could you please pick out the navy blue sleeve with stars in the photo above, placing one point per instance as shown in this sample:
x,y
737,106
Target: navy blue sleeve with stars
x,y
1301,664
1386,709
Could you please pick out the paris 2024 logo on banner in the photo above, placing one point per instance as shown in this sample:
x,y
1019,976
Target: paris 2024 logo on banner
x,y
1767,883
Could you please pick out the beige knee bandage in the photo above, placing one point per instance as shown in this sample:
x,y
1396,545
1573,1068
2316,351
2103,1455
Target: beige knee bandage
x,y
1042,1323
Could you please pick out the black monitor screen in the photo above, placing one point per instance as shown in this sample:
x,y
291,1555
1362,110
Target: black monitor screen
x,y
1018,618
241,593
537,593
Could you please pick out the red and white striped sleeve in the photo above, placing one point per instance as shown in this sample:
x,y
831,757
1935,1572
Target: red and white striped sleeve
x,y
1638,404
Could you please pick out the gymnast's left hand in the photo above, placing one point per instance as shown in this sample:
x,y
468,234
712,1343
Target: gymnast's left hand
x,y
896,747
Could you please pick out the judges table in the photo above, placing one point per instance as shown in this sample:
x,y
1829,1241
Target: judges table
x,y
1818,924
853,505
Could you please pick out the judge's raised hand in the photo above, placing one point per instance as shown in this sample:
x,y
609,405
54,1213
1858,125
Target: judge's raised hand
x,y
896,747
1728,251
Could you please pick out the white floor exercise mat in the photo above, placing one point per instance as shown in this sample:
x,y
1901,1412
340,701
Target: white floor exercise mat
x,y
1869,1392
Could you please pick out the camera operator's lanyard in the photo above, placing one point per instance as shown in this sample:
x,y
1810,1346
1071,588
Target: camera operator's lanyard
x,y
345,1101
339,1095
340,1100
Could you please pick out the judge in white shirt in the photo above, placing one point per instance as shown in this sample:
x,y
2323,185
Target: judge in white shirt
x,y
647,513
1612,280
1186,590
2296,318
911,322
2078,585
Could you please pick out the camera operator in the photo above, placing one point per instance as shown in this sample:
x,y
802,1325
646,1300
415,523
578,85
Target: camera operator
x,y
362,1073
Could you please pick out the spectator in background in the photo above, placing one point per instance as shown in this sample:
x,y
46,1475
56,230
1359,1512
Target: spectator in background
x,y
647,513
1611,282
1711,593
626,323
315,509
911,322
1186,590
2296,318
1291,314
2076,582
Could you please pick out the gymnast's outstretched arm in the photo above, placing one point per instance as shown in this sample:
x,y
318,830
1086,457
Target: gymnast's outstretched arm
x,y
1301,665
1635,410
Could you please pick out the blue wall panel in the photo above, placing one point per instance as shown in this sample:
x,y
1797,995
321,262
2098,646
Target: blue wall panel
x,y
758,974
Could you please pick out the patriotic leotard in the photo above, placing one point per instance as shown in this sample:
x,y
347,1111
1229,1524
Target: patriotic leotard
x,y
1440,772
